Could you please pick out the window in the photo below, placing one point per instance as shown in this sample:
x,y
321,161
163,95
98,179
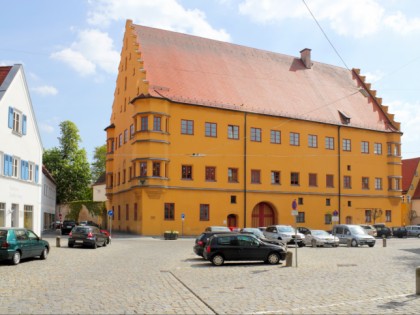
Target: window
x,y
365,147
204,212
275,136
300,201
275,177
28,216
156,169
346,145
312,141
233,132
328,219
124,175
211,130
256,134
17,121
313,180
368,216
157,123
294,138
347,182
378,183
329,143
377,148
186,172
125,135
187,127
349,203
255,176
300,218
131,131
388,215
232,199
169,211
120,140
210,173
330,181
127,212
143,169
294,178
232,175
328,202
144,123
2,215
365,182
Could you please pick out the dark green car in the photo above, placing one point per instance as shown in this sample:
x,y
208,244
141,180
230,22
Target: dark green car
x,y
20,243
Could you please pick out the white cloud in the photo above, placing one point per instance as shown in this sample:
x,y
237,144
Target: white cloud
x,y
47,128
165,14
355,18
93,49
45,90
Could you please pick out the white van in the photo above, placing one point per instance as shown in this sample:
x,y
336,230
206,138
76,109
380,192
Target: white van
x,y
413,230
354,234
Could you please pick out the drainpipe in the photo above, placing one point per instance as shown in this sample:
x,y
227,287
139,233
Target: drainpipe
x,y
245,170
339,174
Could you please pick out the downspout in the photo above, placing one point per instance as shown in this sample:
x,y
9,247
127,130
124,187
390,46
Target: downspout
x,y
245,169
339,174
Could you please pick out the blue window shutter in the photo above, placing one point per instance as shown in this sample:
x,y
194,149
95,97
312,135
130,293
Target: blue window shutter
x,y
24,125
10,117
5,163
10,165
36,173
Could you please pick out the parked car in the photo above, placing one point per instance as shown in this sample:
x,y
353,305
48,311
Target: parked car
x,y
303,230
382,230
242,247
217,229
317,238
91,223
369,229
86,235
354,234
202,239
108,236
260,235
56,225
413,230
67,226
285,233
20,243
399,231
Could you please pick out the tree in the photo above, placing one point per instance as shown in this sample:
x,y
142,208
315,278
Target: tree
x,y
69,166
98,165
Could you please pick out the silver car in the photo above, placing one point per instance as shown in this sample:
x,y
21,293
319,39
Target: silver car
x,y
285,233
353,235
317,238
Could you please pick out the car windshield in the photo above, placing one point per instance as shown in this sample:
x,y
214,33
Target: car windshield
x,y
357,230
81,229
319,233
256,232
286,229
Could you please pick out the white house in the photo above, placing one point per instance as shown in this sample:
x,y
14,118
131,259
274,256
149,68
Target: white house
x,y
20,153
48,200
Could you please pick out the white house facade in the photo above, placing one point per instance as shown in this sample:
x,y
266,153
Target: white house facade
x,y
48,200
20,153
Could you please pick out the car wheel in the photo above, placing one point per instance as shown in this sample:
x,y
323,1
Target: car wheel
x,y
273,259
371,245
44,254
94,246
104,244
217,260
301,244
354,243
16,258
70,245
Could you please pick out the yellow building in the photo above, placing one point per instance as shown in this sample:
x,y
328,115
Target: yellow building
x,y
410,192
204,132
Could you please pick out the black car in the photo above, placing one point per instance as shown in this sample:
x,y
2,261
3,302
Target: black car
x,y
399,231
383,231
67,226
86,235
202,239
242,247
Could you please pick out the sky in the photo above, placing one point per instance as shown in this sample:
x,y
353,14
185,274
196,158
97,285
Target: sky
x,y
70,50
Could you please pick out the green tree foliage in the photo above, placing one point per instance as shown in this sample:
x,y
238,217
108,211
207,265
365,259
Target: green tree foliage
x,y
98,164
69,166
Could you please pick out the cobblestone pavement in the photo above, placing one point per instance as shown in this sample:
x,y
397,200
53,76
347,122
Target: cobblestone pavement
x,y
152,276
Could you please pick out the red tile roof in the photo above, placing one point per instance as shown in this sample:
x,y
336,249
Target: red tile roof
x,y
195,70
409,167
4,71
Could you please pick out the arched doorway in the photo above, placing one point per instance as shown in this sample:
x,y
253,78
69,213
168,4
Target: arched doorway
x,y
232,220
262,215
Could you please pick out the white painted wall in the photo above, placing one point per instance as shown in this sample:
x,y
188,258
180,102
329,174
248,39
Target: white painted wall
x,y
48,200
26,147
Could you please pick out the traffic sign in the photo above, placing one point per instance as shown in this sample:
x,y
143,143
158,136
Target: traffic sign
x,y
110,213
335,213
295,213
182,216
294,204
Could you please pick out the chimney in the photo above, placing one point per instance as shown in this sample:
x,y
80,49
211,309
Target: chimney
x,y
305,56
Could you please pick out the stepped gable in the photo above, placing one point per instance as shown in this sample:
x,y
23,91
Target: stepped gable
x,y
199,71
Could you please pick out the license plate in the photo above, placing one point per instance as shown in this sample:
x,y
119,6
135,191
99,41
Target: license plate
x,y
79,242
69,226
